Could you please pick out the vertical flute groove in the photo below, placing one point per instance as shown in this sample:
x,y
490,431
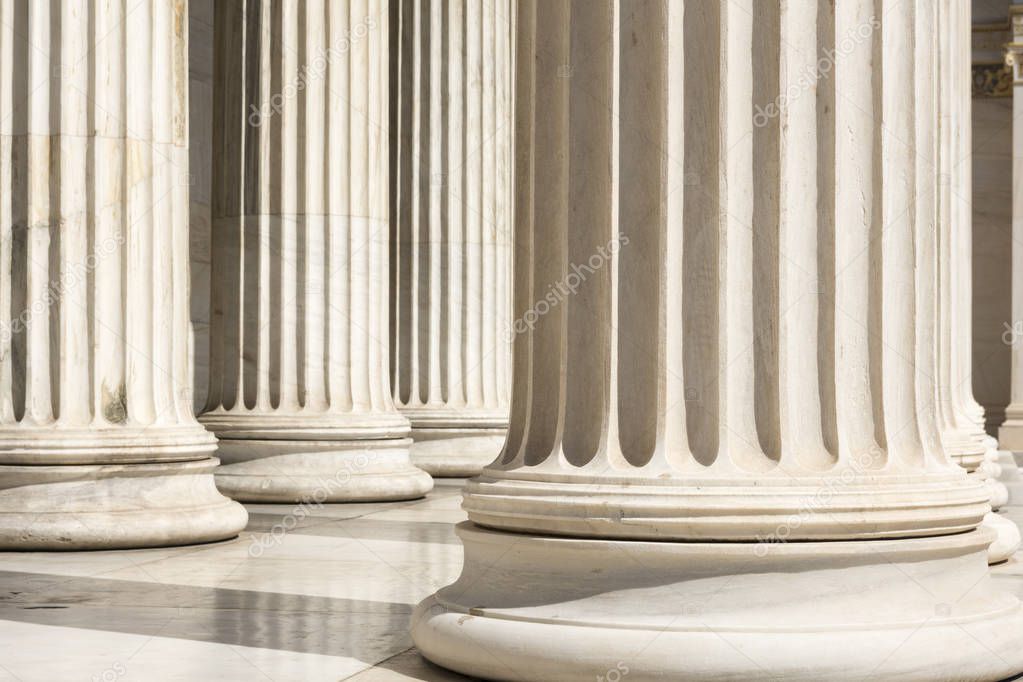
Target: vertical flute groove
x,y
7,206
450,313
94,236
300,219
756,316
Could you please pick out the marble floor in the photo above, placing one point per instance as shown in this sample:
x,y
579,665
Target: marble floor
x,y
305,594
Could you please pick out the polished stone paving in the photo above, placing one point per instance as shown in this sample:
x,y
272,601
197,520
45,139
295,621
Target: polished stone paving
x,y
305,594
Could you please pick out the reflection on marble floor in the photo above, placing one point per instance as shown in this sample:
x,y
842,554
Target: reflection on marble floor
x,y
304,594
316,593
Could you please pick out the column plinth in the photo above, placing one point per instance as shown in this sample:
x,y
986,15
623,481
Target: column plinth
x,y
99,448
449,442
544,608
450,237
725,456
299,393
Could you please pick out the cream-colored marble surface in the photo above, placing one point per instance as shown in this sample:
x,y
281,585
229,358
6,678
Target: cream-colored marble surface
x,y
331,602
451,252
777,347
299,393
99,446
200,168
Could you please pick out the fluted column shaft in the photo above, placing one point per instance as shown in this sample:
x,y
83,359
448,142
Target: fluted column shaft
x,y
703,352
1000,468
755,188
98,443
1010,435
960,434
962,216
299,390
450,242
963,425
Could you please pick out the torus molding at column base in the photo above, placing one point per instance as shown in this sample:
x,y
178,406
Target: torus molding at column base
x,y
1007,538
121,445
455,453
1011,477
114,506
557,500
540,608
448,444
325,471
989,474
965,449
999,493
265,461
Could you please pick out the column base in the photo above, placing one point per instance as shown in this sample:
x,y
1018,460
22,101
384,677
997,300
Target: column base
x,y
114,506
999,493
990,468
965,450
298,471
1011,477
546,608
455,453
1007,538
555,500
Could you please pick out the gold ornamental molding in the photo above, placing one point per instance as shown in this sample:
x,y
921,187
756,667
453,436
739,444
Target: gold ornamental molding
x,y
992,69
992,80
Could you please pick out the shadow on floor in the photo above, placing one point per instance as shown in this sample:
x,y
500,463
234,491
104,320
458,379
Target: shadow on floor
x,y
364,630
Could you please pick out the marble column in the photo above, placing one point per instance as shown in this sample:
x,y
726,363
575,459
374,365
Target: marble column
x,y
1010,434
450,245
299,391
958,431
99,448
967,410
962,417
724,458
